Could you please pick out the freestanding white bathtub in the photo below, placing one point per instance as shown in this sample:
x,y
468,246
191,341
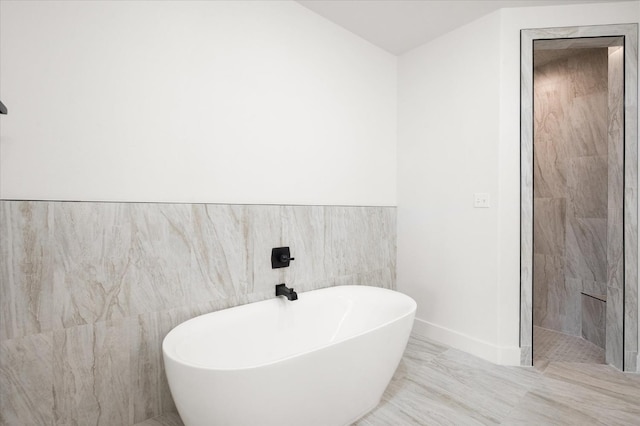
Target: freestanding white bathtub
x,y
324,359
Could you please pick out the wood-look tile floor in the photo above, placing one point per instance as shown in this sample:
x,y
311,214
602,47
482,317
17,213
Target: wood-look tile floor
x,y
437,385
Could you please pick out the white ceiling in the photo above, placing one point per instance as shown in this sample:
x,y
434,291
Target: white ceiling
x,y
401,25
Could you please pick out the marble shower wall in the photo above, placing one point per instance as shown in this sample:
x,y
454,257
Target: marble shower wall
x,y
571,191
89,290
614,312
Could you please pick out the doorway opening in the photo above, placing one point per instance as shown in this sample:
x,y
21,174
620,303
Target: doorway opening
x,y
579,203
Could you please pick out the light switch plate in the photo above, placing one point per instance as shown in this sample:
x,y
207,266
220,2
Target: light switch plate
x,y
481,200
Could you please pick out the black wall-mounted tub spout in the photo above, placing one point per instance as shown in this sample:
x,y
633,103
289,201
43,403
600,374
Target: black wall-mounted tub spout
x,y
3,109
282,290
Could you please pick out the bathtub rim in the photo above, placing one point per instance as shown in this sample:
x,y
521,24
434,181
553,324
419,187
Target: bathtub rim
x,y
410,312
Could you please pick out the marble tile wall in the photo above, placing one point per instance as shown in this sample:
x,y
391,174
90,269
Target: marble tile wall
x,y
89,290
570,191
593,315
614,291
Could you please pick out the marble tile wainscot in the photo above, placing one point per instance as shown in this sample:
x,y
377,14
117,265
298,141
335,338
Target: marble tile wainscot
x,y
89,290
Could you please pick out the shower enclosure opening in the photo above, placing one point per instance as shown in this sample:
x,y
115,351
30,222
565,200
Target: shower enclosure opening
x,y
579,204
577,194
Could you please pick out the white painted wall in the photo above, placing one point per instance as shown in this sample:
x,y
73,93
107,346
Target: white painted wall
x,y
459,106
192,101
448,115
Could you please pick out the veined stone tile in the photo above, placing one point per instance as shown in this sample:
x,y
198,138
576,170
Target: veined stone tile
x,y
265,230
557,299
91,374
586,249
615,248
614,328
146,367
549,168
616,126
526,197
358,240
587,71
257,296
548,76
26,380
594,288
587,179
631,318
90,242
586,127
631,272
526,356
631,190
26,268
189,254
593,320
549,226
222,237
161,257
570,103
631,361
303,230
150,395
551,97
548,281
389,217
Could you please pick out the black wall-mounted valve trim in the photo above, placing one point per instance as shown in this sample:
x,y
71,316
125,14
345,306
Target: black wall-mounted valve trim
x,y
280,257
3,109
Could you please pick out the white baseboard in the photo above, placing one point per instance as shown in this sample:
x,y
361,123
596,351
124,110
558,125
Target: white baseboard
x,y
497,354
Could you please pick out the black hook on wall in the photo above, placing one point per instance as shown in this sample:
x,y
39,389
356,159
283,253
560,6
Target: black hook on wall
x,y
3,109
